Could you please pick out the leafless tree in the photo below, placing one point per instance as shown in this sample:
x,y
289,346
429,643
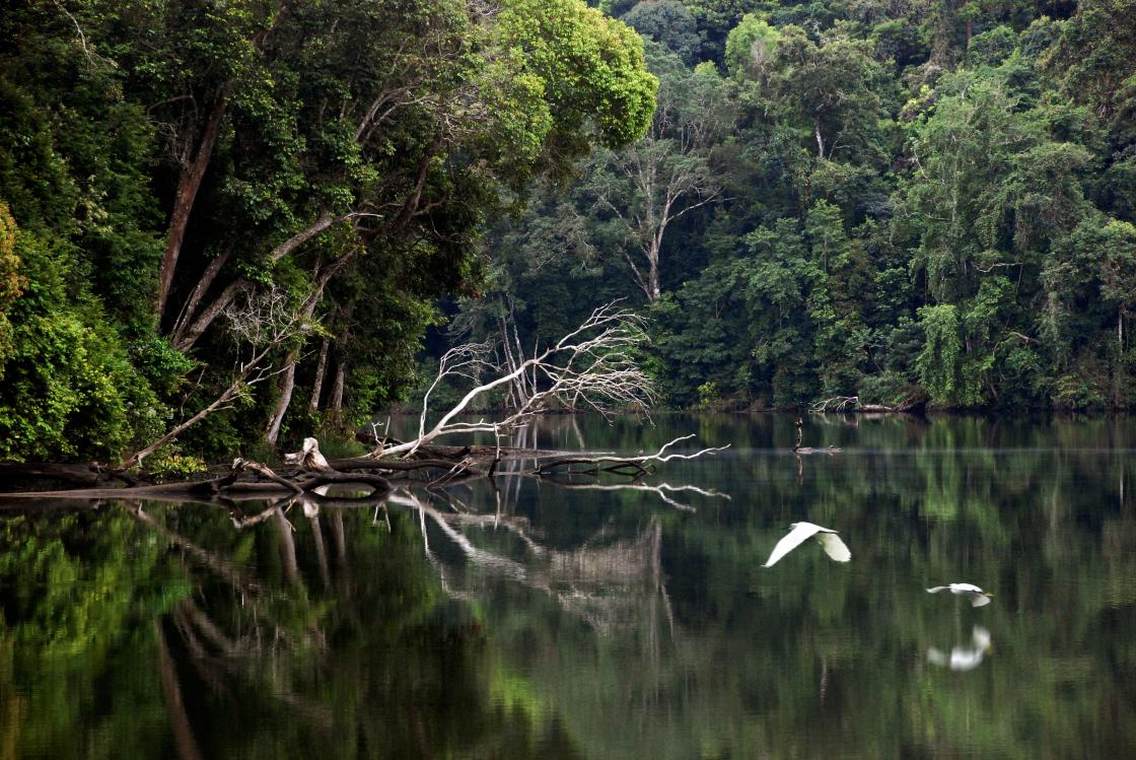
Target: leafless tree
x,y
592,367
667,174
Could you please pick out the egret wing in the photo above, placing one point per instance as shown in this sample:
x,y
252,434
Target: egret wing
x,y
798,535
979,600
937,589
834,547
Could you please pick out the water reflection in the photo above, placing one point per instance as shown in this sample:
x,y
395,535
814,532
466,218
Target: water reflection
x,y
964,658
520,618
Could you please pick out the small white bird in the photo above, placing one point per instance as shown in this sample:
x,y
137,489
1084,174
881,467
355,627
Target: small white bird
x,y
978,597
801,532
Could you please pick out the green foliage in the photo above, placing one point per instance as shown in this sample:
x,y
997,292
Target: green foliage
x,y
590,68
168,464
940,362
669,23
751,47
69,388
800,228
412,123
12,284
927,201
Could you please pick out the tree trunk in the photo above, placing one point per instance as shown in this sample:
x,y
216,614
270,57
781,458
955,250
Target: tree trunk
x,y
654,290
188,184
337,389
184,339
321,552
184,742
191,176
191,328
199,290
317,382
287,385
287,547
321,223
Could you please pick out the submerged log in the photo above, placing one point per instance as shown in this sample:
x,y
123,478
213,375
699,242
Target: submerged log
x,y
310,473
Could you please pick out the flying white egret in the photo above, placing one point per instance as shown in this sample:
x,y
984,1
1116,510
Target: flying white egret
x,y
803,531
978,597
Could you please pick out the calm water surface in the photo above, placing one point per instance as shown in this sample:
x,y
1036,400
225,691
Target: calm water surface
x,y
582,619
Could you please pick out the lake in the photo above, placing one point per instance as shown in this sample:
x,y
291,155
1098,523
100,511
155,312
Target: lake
x,y
604,618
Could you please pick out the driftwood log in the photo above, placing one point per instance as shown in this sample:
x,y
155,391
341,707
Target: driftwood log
x,y
308,474
244,477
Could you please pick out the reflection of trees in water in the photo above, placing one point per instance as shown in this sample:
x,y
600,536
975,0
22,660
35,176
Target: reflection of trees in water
x,y
288,620
595,620
835,658
609,584
252,643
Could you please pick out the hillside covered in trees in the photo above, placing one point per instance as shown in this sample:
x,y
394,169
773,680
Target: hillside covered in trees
x,y
243,217
896,200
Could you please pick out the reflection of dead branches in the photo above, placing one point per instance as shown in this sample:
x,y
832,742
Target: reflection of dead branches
x,y
223,568
502,565
661,490
516,525
602,584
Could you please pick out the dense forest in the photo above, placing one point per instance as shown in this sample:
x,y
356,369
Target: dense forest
x,y
239,221
921,199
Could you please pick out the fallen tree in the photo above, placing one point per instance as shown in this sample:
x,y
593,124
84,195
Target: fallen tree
x,y
914,403
593,368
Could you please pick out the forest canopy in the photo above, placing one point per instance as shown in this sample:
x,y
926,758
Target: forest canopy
x,y
254,213
253,201
923,201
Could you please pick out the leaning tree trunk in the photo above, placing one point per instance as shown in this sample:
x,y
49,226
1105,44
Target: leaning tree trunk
x,y
188,184
189,331
287,386
288,383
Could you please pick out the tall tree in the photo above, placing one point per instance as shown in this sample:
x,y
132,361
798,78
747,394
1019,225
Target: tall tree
x,y
644,189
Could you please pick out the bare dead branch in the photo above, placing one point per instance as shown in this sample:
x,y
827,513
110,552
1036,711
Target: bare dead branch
x,y
591,367
611,463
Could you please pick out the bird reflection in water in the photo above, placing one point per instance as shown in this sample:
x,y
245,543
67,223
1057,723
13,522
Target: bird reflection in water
x,y
964,658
